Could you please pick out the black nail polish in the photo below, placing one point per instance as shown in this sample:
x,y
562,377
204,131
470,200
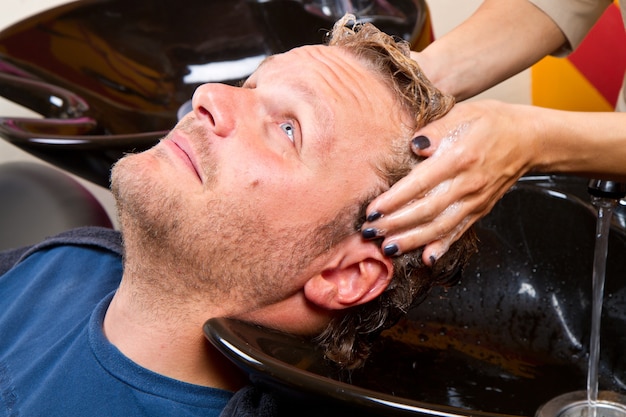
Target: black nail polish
x,y
374,216
369,233
421,142
390,250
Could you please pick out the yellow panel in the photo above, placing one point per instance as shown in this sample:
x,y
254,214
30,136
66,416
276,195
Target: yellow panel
x,y
556,83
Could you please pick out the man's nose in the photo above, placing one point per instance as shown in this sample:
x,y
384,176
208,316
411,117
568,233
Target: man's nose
x,y
217,106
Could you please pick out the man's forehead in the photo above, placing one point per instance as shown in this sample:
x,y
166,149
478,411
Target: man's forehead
x,y
332,74
295,52
316,56
320,65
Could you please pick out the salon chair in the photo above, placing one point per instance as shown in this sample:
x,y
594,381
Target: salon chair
x,y
37,201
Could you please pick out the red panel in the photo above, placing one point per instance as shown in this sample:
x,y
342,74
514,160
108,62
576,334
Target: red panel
x,y
601,57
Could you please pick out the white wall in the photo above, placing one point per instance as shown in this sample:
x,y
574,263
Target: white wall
x,y
445,15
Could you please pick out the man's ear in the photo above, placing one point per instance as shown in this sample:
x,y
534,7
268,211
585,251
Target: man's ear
x,y
358,273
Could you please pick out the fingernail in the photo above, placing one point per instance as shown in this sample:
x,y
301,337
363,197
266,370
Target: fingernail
x,y
369,233
374,216
421,142
390,250
432,260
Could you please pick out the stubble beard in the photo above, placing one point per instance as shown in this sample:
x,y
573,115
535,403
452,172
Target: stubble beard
x,y
223,252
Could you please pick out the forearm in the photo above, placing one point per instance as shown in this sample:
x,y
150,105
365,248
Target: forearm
x,y
590,144
499,40
478,151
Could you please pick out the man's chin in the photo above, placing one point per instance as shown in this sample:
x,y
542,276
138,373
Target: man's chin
x,y
121,174
139,195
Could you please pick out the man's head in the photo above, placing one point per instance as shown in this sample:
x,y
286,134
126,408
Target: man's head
x,y
250,207
347,338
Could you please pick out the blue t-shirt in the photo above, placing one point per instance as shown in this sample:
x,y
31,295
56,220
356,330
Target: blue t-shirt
x,y
54,357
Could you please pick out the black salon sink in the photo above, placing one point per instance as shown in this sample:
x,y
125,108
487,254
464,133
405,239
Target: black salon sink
x,y
109,76
512,335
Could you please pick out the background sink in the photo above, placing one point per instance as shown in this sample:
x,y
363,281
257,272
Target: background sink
x,y
511,336
109,76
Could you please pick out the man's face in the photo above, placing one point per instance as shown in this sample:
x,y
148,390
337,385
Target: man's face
x,y
232,196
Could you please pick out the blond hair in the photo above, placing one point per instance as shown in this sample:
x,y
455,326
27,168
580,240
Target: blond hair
x,y
347,339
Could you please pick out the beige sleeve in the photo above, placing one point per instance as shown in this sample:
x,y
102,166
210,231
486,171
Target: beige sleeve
x,y
574,17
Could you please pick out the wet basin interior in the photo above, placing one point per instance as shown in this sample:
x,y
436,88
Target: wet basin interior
x,y
510,336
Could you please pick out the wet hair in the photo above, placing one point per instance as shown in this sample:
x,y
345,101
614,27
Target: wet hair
x,y
347,339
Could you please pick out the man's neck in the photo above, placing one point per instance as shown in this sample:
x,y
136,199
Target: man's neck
x,y
166,340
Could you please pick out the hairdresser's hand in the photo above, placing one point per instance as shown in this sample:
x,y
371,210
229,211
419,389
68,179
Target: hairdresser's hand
x,y
476,153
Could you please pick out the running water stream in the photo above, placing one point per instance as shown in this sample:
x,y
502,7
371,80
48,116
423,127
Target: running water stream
x,y
605,211
593,403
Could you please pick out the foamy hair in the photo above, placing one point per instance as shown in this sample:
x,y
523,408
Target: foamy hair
x,y
391,58
347,340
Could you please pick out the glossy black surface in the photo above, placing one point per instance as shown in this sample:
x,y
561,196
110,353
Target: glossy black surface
x,y
109,76
511,336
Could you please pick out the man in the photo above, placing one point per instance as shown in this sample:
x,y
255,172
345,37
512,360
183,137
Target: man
x,y
249,208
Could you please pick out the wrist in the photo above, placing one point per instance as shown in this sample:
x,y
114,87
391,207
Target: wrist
x,y
549,137
525,133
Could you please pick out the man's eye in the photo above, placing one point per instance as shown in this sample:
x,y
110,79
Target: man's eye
x,y
289,130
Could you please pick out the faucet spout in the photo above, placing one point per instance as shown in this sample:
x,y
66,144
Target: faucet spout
x,y
607,189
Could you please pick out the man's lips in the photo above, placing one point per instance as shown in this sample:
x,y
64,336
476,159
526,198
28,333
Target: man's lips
x,y
181,148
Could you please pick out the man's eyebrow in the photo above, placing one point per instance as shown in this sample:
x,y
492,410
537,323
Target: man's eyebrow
x,y
308,94
263,63
325,122
266,60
